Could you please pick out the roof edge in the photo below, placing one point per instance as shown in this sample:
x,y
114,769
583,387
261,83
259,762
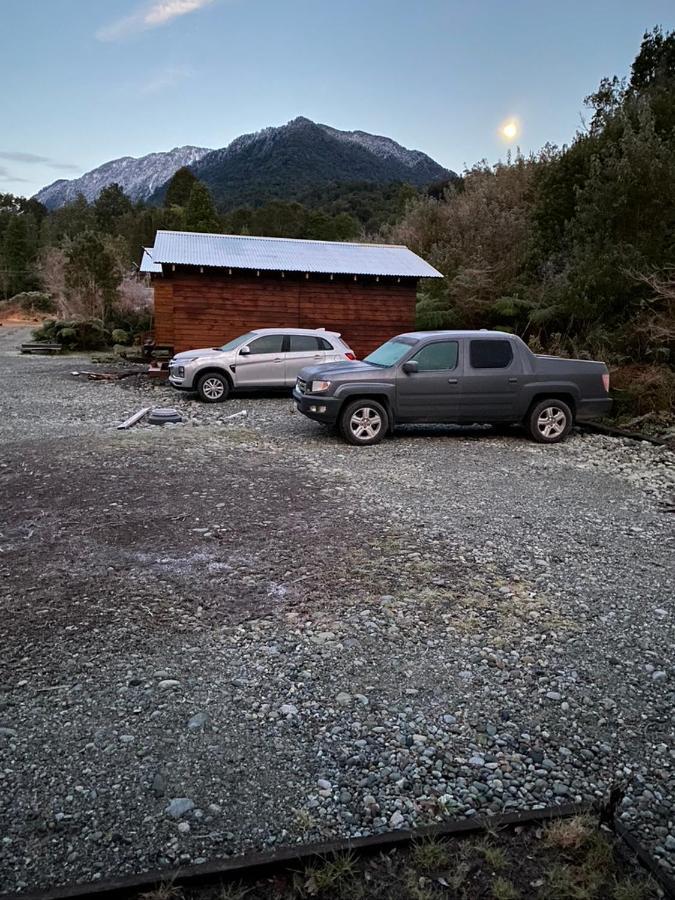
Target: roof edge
x,y
262,237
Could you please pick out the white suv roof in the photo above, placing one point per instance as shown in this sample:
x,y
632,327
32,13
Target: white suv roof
x,y
316,331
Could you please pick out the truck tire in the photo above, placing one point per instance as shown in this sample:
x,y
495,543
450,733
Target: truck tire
x,y
364,422
213,387
549,421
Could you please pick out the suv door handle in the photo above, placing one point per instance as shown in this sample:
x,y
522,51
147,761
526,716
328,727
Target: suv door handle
x,y
452,381
513,381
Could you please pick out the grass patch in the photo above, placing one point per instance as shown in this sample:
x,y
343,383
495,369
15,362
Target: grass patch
x,y
503,889
333,878
166,890
570,834
430,855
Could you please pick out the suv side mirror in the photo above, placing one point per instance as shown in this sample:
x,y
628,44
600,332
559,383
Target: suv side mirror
x,y
410,367
245,350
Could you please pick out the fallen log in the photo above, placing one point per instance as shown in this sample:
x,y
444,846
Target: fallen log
x,y
597,428
107,376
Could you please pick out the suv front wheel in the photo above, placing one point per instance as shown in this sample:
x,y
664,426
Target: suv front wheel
x,y
364,422
213,387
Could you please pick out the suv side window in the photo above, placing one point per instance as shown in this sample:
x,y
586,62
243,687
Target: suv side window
x,y
268,343
325,345
304,342
433,357
490,354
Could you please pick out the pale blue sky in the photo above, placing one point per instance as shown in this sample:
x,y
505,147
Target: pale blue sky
x,y
85,81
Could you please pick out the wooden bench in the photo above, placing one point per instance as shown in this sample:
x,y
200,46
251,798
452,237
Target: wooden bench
x,y
41,347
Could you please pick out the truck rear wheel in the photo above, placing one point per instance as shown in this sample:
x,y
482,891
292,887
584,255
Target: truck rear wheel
x,y
364,422
549,421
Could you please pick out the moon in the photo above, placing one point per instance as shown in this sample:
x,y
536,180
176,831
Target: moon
x,y
510,129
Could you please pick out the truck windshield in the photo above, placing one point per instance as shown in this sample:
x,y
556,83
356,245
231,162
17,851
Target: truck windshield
x,y
388,354
236,342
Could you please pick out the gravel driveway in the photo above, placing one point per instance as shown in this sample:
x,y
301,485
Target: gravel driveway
x,y
228,635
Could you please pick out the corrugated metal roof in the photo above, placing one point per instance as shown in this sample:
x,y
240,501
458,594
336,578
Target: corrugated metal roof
x,y
147,262
287,255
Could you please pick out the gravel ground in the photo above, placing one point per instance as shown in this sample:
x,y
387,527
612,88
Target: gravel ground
x,y
228,635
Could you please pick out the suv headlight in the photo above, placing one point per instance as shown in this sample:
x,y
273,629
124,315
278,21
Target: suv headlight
x,y
317,387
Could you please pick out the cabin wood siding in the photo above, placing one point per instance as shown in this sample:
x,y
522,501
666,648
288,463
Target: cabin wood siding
x,y
205,310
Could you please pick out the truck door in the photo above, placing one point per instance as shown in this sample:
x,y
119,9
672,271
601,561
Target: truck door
x,y
432,394
493,374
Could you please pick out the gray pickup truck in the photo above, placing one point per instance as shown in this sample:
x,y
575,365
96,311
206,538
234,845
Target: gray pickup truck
x,y
460,377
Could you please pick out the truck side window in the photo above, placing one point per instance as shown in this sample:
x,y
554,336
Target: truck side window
x,y
441,355
490,354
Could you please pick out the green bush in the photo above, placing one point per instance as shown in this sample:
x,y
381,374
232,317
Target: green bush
x,y
32,302
120,336
134,322
85,334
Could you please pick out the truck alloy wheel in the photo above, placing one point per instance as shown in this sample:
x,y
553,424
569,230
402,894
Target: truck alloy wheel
x,y
364,422
213,388
549,421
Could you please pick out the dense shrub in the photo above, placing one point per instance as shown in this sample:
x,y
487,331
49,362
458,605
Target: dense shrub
x,y
33,302
643,389
86,334
120,336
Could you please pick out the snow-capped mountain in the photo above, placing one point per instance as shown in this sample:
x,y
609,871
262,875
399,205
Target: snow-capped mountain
x,y
138,177
286,162
289,161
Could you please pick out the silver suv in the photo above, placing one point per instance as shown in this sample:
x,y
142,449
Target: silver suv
x,y
264,358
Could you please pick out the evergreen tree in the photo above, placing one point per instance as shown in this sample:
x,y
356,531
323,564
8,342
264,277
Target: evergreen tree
x,y
111,204
19,249
200,214
92,272
179,188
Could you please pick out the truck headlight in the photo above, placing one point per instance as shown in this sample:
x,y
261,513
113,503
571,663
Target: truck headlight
x,y
318,387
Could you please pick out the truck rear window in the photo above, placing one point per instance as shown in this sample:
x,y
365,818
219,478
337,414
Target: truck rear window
x,y
490,354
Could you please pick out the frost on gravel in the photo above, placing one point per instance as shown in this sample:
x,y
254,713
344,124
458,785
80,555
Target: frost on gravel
x,y
226,636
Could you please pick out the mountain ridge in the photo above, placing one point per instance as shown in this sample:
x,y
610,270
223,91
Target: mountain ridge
x,y
278,162
138,176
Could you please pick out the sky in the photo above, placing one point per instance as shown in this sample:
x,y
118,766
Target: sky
x,y
87,81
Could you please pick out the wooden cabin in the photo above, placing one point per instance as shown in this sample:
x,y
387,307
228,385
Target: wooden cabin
x,y
209,288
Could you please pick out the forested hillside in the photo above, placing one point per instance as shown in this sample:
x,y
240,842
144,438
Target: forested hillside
x,y
572,247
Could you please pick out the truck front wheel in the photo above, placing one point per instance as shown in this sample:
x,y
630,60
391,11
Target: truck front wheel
x,y
549,421
364,422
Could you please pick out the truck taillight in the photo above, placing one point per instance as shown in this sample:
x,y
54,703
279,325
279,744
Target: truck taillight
x,y
350,355
605,381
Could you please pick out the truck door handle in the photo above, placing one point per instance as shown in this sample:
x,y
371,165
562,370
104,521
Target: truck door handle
x,y
452,381
513,381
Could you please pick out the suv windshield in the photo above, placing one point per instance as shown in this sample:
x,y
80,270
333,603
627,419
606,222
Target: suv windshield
x,y
388,354
235,342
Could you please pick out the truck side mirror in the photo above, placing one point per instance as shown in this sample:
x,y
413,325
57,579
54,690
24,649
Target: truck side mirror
x,y
410,367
